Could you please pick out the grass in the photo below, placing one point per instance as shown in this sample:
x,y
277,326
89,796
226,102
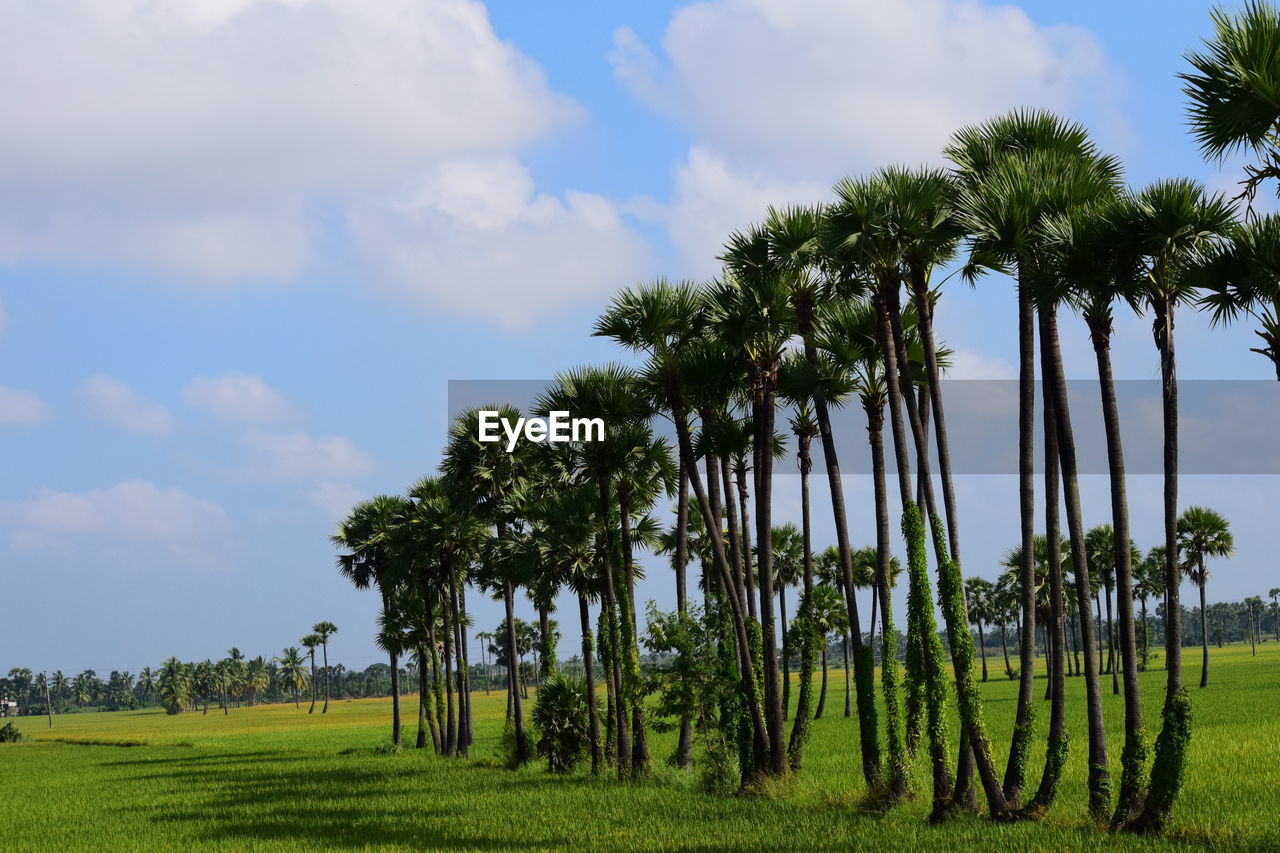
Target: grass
x,y
274,778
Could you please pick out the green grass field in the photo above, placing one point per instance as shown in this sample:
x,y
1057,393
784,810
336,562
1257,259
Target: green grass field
x,y
272,777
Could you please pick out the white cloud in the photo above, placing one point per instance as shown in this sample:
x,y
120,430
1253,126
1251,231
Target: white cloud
x,y
969,363
822,87
134,520
113,401
20,406
298,455
335,499
711,199
190,137
474,237
238,396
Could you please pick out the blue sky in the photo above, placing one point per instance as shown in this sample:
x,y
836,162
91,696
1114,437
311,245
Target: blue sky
x,y
245,244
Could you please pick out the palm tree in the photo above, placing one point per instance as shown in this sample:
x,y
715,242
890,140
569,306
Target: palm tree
x,y
1150,583
1203,533
788,561
1273,594
310,642
829,617
979,593
292,672
1243,279
325,630
1232,88
1016,172
1174,225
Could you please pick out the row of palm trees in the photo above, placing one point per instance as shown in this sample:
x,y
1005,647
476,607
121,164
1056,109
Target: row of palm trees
x,y
809,314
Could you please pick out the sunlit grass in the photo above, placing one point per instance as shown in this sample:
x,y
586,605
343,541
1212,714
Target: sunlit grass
x,y
274,777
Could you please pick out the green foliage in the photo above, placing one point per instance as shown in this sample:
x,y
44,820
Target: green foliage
x,y
560,717
9,733
1168,771
932,684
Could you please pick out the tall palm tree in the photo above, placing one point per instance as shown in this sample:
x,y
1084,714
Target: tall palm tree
x,y
1174,225
1203,533
1014,172
325,630
979,593
310,642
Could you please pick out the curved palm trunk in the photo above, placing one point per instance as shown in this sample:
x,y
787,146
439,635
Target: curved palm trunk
x,y
1175,731
919,602
588,664
1016,769
325,710
863,661
742,644
975,749
1133,758
822,694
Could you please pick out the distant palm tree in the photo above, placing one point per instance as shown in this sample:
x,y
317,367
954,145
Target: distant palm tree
x,y
325,630
1273,594
980,594
1203,533
292,672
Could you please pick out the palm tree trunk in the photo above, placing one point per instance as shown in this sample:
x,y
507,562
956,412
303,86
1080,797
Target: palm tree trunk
x,y
786,655
895,735
920,604
325,710
588,665
523,753
450,721
1019,746
799,729
639,740
742,642
461,614
748,580
1056,648
717,474
848,682
423,703
463,737
313,681
822,694
868,726
975,749
395,699
1175,730
622,740
1134,755
1204,628
982,644
1004,647
1099,775
763,415
683,756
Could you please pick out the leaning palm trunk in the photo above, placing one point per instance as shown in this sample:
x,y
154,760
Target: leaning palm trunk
x,y
742,643
588,664
863,659
1055,635
1175,732
950,578
1015,772
919,604
1099,774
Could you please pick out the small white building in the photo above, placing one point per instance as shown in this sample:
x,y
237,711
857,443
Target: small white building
x,y
8,707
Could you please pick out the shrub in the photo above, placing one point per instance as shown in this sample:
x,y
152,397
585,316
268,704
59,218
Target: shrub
x,y
9,733
561,719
